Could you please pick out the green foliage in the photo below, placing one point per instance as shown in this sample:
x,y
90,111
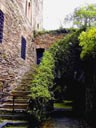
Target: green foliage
x,y
62,106
88,43
83,16
57,59
88,55
64,52
43,80
41,84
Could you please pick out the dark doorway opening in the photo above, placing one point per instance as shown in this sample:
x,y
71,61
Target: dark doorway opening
x,y
39,52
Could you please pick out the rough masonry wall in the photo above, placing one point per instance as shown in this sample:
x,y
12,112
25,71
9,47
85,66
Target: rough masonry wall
x,y
46,40
17,51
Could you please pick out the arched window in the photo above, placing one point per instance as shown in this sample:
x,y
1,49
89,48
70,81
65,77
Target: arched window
x,y
28,10
1,25
29,4
37,26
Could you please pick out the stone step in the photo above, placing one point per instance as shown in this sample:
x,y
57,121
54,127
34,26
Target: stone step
x,y
16,96
22,88
17,106
19,96
20,92
14,115
4,94
13,123
16,101
11,109
25,83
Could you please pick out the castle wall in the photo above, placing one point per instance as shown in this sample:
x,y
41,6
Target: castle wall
x,y
17,51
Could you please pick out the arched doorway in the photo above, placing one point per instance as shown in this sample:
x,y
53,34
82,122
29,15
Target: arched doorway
x,y
71,91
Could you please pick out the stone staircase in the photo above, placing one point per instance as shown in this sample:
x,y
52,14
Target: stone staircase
x,y
16,99
14,103
13,108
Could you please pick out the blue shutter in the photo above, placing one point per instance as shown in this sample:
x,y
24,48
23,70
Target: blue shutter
x,y
1,25
23,48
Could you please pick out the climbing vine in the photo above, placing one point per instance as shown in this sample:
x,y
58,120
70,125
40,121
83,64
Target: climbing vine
x,y
42,83
88,43
43,79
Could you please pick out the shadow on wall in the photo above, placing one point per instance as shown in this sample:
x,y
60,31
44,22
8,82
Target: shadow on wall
x,y
1,25
23,48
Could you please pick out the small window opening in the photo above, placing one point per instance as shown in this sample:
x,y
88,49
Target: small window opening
x,y
29,4
37,26
26,8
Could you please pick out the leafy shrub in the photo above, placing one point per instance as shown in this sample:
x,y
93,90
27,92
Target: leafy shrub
x,y
88,42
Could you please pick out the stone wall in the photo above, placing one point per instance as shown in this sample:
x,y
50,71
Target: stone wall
x,y
17,51
47,39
